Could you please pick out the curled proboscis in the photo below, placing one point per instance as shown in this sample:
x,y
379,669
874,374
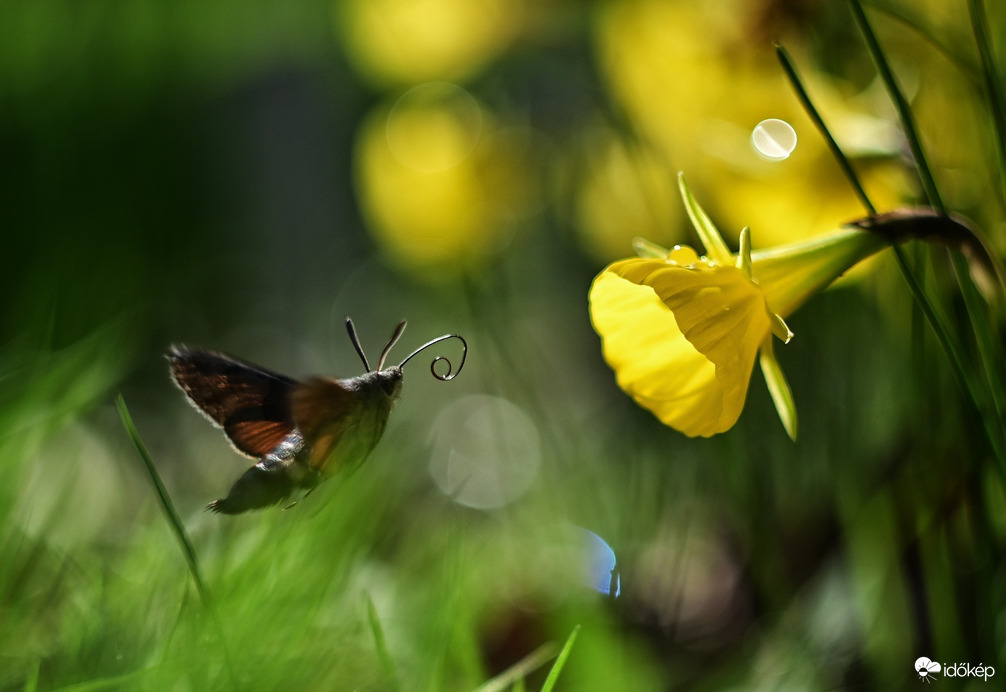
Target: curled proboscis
x,y
451,372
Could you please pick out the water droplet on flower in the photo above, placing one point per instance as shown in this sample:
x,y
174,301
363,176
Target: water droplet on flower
x,y
773,139
683,255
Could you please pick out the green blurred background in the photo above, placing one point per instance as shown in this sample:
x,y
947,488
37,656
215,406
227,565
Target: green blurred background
x,y
243,175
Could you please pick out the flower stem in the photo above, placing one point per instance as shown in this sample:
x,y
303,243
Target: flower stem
x,y
982,397
808,105
993,85
980,390
901,104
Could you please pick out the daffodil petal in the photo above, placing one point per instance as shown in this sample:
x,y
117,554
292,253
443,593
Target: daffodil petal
x,y
744,252
716,247
780,328
681,341
782,397
652,360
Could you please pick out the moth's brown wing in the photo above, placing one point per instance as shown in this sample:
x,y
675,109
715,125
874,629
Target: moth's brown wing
x,y
250,403
325,411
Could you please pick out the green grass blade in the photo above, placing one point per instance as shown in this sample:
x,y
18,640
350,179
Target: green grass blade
x,y
968,383
515,674
560,662
31,683
983,398
115,682
165,500
989,356
901,105
836,151
175,521
382,646
980,389
993,84
940,43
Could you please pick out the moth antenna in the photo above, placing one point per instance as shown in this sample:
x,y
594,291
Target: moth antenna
x,y
391,342
356,343
451,372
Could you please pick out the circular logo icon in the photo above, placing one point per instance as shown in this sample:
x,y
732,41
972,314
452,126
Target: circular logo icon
x,y
926,668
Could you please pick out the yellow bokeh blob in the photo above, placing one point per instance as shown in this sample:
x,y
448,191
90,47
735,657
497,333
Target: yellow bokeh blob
x,y
625,190
697,88
410,41
440,185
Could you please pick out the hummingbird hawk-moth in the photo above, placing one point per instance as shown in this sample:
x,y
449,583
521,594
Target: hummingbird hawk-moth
x,y
300,431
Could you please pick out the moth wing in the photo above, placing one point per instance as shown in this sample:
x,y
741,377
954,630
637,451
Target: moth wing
x,y
250,403
324,410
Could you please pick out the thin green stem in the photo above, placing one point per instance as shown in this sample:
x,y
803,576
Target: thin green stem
x,y
381,643
560,662
982,398
993,85
987,341
515,674
979,389
984,332
969,384
943,48
901,105
174,520
808,106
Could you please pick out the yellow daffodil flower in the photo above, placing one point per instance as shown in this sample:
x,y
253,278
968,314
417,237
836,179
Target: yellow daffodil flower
x,y
682,331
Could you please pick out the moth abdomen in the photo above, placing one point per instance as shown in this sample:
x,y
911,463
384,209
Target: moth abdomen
x,y
272,480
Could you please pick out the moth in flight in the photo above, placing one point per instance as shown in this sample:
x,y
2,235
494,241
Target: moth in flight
x,y
300,431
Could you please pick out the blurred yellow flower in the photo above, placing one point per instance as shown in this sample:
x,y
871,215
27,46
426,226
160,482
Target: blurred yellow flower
x,y
695,84
394,42
623,191
439,184
682,331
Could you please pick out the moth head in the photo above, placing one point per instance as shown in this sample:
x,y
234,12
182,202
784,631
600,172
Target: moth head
x,y
386,382
390,378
